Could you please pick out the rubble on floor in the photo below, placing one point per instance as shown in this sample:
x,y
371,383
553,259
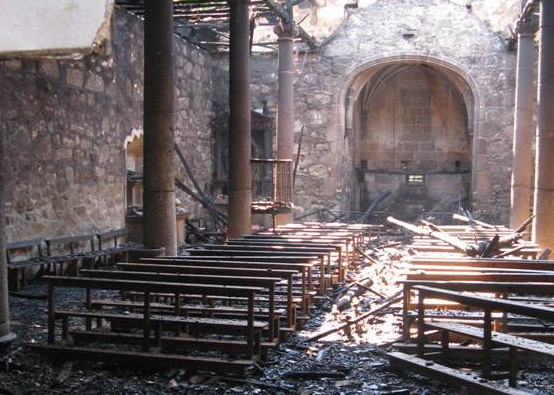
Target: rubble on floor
x,y
341,349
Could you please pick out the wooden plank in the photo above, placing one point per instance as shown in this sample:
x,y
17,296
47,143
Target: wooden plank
x,y
227,324
319,250
528,264
181,343
229,271
489,303
488,277
535,288
151,286
182,278
402,361
149,360
69,239
496,337
24,244
416,268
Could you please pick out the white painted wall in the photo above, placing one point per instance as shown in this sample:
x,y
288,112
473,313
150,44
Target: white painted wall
x,y
52,27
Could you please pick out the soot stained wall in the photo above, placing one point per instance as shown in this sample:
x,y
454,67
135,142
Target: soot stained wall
x,y
66,122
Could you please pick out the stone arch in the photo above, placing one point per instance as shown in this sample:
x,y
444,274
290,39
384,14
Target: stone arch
x,y
134,154
363,71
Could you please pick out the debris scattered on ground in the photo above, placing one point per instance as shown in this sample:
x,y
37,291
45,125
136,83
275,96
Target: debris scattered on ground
x,y
338,351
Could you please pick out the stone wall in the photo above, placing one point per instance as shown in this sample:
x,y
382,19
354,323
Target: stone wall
x,y
412,128
66,122
438,33
323,17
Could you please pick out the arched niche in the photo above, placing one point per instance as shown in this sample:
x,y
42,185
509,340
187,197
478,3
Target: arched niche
x,y
134,157
408,126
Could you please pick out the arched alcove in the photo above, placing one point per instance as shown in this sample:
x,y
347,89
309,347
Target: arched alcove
x,y
409,126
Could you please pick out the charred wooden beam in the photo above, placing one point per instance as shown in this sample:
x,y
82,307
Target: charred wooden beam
x,y
283,14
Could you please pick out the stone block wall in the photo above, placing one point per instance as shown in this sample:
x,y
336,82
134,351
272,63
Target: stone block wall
x,y
66,122
446,36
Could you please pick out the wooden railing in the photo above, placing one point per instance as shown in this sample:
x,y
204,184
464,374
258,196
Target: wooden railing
x,y
271,183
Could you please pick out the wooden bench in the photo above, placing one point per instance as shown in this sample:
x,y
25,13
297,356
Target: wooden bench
x,y
345,242
488,305
147,321
264,256
335,250
286,275
526,264
300,265
260,282
111,244
497,338
494,276
530,288
70,252
20,256
401,362
424,248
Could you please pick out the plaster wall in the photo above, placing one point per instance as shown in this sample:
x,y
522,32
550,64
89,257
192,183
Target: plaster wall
x,y
32,27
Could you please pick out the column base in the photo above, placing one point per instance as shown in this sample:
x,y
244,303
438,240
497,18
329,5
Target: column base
x,y
6,341
145,252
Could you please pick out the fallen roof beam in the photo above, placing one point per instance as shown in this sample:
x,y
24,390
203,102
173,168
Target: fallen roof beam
x,y
282,13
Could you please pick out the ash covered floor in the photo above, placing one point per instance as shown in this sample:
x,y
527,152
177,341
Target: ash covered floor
x,y
343,362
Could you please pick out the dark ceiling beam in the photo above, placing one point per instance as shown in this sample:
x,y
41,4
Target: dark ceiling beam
x,y
283,14
201,21
206,13
189,24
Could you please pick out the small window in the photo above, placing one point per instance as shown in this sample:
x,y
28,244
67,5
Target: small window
x,y
404,165
415,179
363,164
457,165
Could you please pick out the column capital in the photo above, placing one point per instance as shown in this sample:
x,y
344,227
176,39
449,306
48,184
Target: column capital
x,y
527,27
286,31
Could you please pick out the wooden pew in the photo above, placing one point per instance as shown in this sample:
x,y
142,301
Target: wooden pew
x,y
20,256
530,288
249,327
335,250
286,275
347,248
323,254
304,269
486,334
111,244
264,256
528,264
68,252
261,282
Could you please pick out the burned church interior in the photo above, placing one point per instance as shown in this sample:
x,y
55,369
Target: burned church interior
x,y
276,197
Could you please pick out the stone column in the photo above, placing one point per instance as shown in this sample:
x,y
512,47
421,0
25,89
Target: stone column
x,y
285,100
523,126
6,336
159,173
543,224
240,179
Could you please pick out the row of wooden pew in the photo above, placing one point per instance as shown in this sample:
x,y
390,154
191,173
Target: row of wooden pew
x,y
219,307
451,300
62,253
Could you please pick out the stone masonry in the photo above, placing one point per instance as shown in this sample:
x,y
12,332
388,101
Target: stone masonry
x,y
66,122
446,36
